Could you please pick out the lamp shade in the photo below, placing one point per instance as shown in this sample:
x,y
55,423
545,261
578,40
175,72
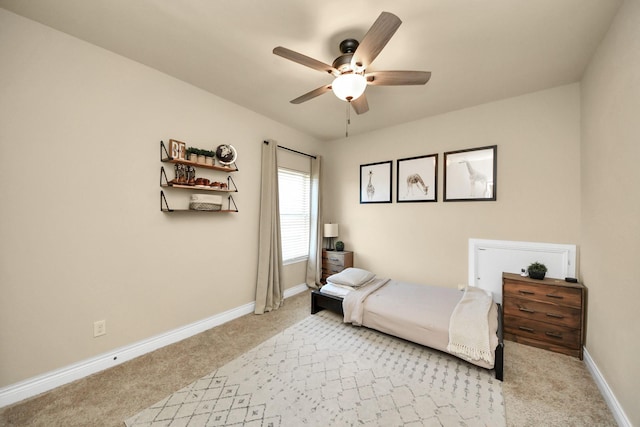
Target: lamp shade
x,y
349,86
331,230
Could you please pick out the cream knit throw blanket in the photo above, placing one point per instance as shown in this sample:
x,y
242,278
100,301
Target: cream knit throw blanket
x,y
469,326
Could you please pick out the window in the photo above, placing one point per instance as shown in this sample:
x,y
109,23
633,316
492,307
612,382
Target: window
x,y
295,211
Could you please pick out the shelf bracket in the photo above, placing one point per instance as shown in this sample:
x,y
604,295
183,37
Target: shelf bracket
x,y
163,174
164,206
166,152
231,181
234,203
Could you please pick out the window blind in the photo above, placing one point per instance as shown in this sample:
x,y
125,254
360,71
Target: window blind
x,y
295,212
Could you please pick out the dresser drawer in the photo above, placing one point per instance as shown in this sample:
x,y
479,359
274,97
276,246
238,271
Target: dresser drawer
x,y
541,331
334,259
559,295
329,269
544,312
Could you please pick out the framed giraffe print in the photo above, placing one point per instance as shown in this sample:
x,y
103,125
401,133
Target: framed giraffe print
x,y
375,182
470,175
417,179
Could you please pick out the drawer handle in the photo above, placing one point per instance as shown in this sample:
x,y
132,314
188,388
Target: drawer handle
x,y
555,296
557,316
334,259
526,292
526,310
524,328
554,334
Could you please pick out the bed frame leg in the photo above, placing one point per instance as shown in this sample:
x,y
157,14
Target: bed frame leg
x,y
315,307
499,359
499,362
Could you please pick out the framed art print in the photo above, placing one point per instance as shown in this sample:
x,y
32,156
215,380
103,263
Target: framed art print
x,y
417,179
375,182
470,175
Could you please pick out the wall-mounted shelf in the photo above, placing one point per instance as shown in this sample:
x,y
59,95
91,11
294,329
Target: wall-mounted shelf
x,y
165,183
166,158
164,206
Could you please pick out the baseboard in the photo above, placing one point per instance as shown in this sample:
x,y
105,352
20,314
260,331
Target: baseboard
x,y
607,393
50,380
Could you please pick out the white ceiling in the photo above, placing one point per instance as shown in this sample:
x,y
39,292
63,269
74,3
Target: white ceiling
x,y
477,50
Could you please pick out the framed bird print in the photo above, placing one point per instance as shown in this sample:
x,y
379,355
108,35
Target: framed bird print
x,y
375,182
470,175
417,179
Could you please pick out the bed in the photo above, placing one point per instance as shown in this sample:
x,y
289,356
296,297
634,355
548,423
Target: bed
x,y
433,316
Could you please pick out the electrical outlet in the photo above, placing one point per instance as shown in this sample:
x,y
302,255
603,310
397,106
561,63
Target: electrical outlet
x,y
99,328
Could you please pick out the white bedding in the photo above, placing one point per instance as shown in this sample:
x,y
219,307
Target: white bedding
x,y
418,313
469,328
335,290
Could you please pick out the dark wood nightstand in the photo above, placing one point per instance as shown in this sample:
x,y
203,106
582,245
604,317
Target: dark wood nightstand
x,y
547,313
334,262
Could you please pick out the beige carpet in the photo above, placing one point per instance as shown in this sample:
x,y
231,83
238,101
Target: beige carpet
x,y
540,388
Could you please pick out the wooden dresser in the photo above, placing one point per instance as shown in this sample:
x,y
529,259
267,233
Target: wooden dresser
x,y
334,262
547,313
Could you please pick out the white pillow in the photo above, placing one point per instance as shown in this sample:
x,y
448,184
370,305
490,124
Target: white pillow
x,y
351,277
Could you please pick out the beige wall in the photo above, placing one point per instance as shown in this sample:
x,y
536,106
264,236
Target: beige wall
x,y
611,206
538,186
83,238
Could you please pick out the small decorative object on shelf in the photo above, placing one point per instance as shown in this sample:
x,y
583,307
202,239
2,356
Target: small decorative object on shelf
x,y
537,270
226,154
177,149
192,154
339,246
200,156
205,202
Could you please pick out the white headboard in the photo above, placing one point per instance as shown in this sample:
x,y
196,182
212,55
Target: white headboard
x,y
488,259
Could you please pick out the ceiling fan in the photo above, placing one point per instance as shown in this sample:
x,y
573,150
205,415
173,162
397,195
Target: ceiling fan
x,y
349,69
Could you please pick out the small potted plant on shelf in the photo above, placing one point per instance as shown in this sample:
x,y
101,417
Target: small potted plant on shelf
x,y
537,270
208,157
192,154
339,246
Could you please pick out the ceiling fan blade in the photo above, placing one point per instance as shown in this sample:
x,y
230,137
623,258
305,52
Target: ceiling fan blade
x,y
304,60
360,105
310,95
375,40
397,78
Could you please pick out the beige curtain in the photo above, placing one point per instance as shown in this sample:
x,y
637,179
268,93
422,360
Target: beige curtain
x,y
269,287
314,265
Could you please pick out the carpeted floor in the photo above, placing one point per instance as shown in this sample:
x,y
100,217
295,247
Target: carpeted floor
x,y
540,387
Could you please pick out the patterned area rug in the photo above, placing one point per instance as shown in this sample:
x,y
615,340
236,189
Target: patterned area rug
x,y
321,372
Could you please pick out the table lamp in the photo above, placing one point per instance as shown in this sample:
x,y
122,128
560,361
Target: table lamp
x,y
330,232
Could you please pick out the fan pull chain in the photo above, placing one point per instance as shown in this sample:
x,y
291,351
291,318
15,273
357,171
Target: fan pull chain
x,y
346,132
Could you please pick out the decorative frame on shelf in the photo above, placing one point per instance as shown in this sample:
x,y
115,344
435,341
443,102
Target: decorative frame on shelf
x,y
470,175
375,182
419,178
177,149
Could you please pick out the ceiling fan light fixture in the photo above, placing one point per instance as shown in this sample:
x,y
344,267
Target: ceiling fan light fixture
x,y
349,87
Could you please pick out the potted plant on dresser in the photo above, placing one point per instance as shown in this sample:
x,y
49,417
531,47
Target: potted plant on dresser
x,y
537,270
